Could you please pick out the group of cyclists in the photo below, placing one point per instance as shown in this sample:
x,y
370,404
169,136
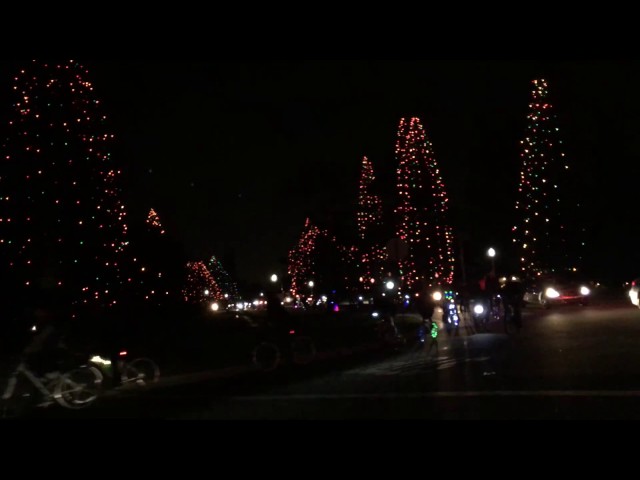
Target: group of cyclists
x,y
455,301
50,334
50,341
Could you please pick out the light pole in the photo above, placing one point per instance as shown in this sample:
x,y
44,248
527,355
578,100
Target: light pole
x,y
492,254
311,285
275,280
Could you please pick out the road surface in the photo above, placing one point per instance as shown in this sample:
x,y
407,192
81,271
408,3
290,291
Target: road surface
x,y
569,362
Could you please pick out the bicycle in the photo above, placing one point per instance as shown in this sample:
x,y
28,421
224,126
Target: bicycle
x,y
267,355
75,389
512,319
139,371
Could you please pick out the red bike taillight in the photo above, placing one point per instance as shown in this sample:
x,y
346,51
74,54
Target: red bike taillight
x,y
292,332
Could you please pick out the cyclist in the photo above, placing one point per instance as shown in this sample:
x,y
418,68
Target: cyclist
x,y
282,326
513,295
48,347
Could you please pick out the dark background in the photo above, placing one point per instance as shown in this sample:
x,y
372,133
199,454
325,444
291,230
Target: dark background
x,y
234,155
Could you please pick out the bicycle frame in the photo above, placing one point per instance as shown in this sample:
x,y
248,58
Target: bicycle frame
x,y
13,380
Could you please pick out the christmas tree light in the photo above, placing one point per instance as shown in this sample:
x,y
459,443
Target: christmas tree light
x,y
370,206
222,278
320,258
540,234
421,213
153,220
369,218
153,278
301,266
200,285
62,223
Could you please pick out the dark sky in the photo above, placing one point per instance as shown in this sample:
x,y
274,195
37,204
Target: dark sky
x,y
235,155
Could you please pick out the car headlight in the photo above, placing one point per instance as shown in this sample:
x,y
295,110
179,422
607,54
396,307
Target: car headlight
x,y
478,309
552,293
584,291
437,296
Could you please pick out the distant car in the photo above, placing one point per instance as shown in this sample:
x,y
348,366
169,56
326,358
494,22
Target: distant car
x,y
558,289
634,291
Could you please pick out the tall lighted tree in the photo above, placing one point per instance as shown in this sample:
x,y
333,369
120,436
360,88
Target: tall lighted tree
x,y
369,204
540,235
62,223
154,279
421,215
223,279
369,218
318,257
301,261
200,285
153,222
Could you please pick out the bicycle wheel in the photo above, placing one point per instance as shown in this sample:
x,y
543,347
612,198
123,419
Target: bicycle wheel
x,y
76,389
98,375
266,356
17,398
142,371
510,322
498,312
303,350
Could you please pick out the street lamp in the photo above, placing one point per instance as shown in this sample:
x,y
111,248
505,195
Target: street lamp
x,y
275,279
311,284
492,254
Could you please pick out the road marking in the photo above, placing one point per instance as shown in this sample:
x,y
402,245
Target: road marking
x,y
504,393
408,366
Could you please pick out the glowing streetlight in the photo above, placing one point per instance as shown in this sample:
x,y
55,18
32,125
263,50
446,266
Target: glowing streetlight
x,y
492,254
275,279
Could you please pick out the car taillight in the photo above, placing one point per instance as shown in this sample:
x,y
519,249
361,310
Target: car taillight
x,y
123,354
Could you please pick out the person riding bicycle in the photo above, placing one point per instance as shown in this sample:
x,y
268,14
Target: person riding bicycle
x,y
426,306
48,346
490,286
282,325
512,292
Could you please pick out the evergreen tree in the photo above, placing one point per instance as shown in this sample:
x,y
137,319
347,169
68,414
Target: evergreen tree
x,y
421,216
541,235
62,222
369,217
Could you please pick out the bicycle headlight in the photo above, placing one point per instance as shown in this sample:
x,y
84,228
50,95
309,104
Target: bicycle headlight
x,y
552,293
99,359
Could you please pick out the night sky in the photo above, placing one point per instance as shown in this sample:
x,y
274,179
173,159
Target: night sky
x,y
234,156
